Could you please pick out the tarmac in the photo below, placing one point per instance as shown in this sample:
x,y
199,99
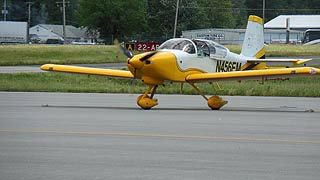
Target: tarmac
x,y
107,136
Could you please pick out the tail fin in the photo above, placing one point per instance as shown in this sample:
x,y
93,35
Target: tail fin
x,y
253,44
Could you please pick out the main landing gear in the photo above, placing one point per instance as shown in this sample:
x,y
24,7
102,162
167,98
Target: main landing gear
x,y
214,102
145,101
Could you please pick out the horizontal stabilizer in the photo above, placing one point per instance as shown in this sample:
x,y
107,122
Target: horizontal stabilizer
x,y
294,61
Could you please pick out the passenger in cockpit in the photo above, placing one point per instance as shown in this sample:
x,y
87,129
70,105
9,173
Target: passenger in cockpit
x,y
203,49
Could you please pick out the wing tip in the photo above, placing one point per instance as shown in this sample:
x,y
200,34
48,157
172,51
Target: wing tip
x,y
48,67
45,67
301,61
314,71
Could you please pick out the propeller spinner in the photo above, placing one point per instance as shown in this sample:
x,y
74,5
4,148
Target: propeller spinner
x,y
136,62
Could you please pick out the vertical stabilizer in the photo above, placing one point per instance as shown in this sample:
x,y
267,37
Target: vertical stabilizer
x,y
253,44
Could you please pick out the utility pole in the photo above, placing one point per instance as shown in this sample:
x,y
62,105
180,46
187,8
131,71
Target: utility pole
x,y
29,19
4,11
29,11
176,20
63,17
263,10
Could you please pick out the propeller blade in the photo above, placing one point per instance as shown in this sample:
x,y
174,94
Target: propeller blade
x,y
135,73
125,51
133,81
148,56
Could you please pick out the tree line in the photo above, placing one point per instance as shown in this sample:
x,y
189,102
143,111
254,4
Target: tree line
x,y
153,19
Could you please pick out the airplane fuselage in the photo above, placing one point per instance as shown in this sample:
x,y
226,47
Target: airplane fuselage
x,y
175,64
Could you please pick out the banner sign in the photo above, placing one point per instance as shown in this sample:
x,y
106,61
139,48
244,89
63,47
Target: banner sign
x,y
146,46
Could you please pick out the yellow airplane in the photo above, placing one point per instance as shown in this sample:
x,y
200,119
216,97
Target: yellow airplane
x,y
192,61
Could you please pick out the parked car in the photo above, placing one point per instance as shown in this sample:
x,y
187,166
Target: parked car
x,y
54,41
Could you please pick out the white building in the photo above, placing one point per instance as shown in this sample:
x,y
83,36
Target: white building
x,y
236,36
275,30
296,22
13,32
54,33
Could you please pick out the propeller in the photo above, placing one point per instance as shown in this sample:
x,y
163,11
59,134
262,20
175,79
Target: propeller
x,y
133,82
130,55
125,51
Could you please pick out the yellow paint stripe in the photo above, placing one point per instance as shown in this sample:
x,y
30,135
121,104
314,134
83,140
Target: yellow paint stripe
x,y
261,53
163,136
255,19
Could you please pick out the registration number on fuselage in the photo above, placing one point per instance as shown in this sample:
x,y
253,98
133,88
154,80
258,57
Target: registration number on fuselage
x,y
227,66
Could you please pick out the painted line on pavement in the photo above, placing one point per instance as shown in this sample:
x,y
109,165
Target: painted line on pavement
x,y
163,136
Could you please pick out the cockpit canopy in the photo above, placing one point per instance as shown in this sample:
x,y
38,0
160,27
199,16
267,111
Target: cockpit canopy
x,y
182,44
201,47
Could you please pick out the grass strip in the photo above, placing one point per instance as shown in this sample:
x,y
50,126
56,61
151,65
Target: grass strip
x,y
61,82
284,50
12,55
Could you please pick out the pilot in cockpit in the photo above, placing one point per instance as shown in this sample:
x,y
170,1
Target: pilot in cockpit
x,y
189,48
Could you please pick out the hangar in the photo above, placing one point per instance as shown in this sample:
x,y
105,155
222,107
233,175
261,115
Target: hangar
x,y
275,31
296,22
236,36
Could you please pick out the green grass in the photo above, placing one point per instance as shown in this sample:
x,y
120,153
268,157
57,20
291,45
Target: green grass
x,y
60,82
284,50
61,54
71,54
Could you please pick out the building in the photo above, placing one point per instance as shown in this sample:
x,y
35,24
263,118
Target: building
x,y
275,31
296,22
53,34
13,32
236,36
222,36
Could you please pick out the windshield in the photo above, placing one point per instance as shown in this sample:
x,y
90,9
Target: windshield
x,y
182,44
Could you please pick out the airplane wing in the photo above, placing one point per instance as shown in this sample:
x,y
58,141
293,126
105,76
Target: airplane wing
x,y
294,61
252,74
87,70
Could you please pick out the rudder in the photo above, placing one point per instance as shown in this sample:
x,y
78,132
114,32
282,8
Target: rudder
x,y
253,43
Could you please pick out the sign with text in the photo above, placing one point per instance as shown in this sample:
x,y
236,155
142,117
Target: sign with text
x,y
146,46
130,46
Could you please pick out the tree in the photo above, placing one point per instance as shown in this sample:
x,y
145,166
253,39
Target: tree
x,y
160,17
218,13
240,13
113,18
50,12
16,10
282,7
193,14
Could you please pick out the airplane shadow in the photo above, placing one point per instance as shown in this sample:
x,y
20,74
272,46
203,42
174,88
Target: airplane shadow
x,y
225,109
268,109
